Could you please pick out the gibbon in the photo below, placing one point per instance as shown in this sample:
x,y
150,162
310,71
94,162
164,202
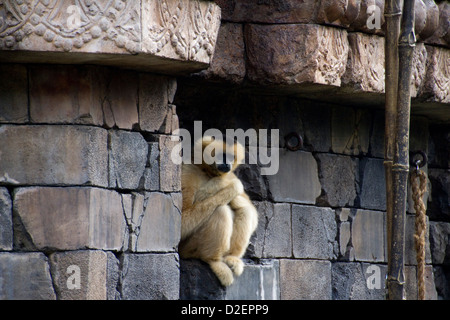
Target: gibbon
x,y
218,217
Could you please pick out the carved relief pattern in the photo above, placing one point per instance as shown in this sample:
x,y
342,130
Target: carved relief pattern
x,y
179,29
69,25
186,29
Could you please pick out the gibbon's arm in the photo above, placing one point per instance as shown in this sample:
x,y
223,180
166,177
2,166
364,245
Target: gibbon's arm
x,y
211,187
196,214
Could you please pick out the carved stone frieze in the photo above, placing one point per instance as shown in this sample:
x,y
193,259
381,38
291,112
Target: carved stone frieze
x,y
183,30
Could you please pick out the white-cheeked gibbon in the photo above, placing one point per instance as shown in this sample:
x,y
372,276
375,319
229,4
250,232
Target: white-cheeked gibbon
x,y
218,217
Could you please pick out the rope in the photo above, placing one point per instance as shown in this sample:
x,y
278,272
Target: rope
x,y
419,187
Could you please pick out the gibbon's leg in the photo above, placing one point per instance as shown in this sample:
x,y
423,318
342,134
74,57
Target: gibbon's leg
x,y
244,224
210,243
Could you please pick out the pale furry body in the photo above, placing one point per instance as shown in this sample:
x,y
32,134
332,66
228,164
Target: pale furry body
x,y
218,219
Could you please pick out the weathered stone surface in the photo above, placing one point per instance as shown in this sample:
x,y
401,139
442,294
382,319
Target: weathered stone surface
x,y
152,167
112,276
369,236
303,54
305,279
198,282
257,282
442,281
150,277
163,32
297,178
128,153
273,236
25,276
350,130
436,85
287,11
372,182
253,181
365,68
13,94
155,94
410,251
79,275
229,57
157,222
358,281
440,242
411,289
84,95
313,232
57,155
337,176
439,200
169,172
68,218
65,94
6,226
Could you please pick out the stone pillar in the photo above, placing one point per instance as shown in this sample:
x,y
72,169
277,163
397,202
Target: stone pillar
x,y
90,201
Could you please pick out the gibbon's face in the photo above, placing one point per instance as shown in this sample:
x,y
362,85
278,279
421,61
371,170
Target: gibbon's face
x,y
220,158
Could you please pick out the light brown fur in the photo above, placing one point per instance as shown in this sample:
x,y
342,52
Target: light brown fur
x,y
218,217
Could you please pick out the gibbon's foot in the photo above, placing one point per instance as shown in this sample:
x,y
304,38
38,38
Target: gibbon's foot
x,y
223,272
236,265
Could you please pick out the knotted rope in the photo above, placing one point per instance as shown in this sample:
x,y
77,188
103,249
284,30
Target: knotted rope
x,y
418,179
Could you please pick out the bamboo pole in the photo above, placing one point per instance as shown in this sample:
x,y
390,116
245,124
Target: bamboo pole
x,y
392,12
400,164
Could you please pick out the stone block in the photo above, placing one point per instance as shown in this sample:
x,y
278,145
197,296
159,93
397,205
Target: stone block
x,y
411,289
314,232
181,34
79,275
273,12
273,237
369,236
155,94
229,57
305,279
365,66
253,181
198,282
410,251
169,172
13,93
66,94
372,184
257,282
350,130
304,53
53,155
436,81
337,176
120,99
6,225
439,200
128,153
152,168
440,242
297,179
154,221
25,276
358,281
150,277
68,218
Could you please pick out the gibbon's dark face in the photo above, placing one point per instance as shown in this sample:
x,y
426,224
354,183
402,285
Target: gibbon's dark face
x,y
220,161
224,162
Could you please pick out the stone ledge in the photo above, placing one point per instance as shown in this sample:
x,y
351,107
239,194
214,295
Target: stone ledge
x,y
166,36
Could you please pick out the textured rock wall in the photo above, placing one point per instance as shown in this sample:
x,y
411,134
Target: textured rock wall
x,y
322,219
90,204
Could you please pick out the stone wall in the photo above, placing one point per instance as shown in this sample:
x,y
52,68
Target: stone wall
x,y
322,219
88,191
